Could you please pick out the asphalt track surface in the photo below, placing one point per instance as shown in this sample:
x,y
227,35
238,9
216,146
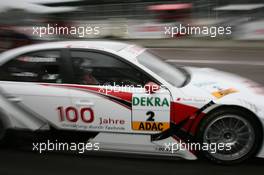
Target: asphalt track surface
x,y
248,63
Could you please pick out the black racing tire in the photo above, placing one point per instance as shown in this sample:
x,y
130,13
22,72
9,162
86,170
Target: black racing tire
x,y
232,132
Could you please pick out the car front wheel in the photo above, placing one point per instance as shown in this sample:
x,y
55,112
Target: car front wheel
x,y
238,130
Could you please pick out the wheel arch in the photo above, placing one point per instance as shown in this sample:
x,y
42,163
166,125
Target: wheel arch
x,y
246,110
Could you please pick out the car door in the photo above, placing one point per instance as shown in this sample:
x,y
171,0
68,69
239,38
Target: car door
x,y
103,93
28,81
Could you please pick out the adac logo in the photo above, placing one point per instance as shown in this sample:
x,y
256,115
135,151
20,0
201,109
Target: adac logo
x,y
151,126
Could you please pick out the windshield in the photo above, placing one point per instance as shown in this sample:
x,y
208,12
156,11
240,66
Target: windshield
x,y
175,76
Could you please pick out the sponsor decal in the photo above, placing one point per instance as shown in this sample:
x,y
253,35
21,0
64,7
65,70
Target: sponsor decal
x,y
113,128
37,59
74,118
106,128
110,121
151,126
150,101
150,112
73,115
164,149
194,100
221,93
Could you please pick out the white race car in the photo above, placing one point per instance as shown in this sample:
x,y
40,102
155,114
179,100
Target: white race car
x,y
131,101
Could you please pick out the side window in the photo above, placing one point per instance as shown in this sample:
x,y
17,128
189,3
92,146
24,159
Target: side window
x,y
40,66
92,68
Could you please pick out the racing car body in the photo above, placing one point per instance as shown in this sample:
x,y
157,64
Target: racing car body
x,y
134,102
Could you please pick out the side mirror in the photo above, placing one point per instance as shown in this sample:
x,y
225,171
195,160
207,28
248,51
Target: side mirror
x,y
151,87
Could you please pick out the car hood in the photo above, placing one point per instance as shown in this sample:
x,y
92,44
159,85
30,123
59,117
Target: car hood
x,y
217,84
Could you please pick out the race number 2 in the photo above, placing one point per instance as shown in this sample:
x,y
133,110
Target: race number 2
x,y
151,115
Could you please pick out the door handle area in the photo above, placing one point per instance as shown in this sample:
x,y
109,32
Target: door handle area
x,y
84,103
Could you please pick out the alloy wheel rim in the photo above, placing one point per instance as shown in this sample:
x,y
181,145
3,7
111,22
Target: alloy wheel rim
x,y
233,130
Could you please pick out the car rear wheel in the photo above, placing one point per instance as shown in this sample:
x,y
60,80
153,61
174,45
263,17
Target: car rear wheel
x,y
237,129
